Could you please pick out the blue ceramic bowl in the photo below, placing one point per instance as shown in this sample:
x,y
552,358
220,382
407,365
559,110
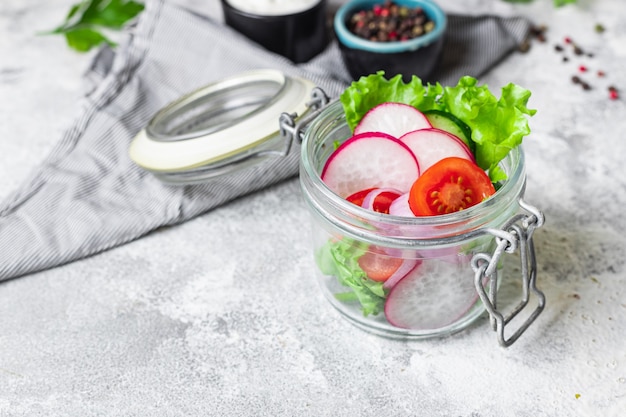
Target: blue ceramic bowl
x,y
418,56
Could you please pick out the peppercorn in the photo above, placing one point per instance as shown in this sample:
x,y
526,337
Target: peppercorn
x,y
388,22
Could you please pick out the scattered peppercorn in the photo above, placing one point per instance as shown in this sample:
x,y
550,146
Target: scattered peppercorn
x,y
389,22
577,80
535,33
539,32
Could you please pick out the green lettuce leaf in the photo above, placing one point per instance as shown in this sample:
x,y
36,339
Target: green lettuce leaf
x,y
498,125
375,89
339,258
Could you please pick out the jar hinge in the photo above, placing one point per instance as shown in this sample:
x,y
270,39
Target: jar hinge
x,y
290,129
516,233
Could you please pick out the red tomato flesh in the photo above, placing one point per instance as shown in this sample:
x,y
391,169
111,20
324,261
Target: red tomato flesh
x,y
378,265
450,185
383,201
358,197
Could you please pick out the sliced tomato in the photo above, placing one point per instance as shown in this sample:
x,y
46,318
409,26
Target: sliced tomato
x,y
378,265
382,201
450,185
358,197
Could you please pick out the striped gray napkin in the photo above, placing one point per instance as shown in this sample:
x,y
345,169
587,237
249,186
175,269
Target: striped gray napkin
x,y
88,196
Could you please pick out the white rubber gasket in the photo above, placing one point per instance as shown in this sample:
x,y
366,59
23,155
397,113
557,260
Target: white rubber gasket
x,y
181,154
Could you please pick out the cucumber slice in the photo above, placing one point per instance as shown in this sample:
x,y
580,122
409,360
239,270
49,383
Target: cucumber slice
x,y
452,124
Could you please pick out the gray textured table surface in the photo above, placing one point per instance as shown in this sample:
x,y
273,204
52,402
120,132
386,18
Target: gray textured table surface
x,y
221,315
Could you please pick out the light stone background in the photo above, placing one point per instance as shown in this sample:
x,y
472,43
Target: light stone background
x,y
221,316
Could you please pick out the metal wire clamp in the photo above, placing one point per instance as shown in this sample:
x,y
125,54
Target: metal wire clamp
x,y
290,130
516,233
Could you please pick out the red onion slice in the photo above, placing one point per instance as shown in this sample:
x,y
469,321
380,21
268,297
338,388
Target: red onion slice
x,y
400,207
407,266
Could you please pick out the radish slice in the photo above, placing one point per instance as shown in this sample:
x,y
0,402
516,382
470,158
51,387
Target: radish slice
x,y
406,267
433,295
432,145
395,119
380,199
400,206
369,160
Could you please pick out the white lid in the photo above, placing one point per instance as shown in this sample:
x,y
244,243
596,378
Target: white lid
x,y
219,121
273,7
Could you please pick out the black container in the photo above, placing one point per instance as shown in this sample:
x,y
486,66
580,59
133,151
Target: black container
x,y
421,62
298,36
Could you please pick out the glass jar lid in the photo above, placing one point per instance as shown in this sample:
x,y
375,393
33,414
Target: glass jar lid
x,y
219,125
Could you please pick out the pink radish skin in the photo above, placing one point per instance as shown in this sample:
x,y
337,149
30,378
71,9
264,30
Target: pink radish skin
x,y
395,119
433,295
432,145
370,160
370,198
407,266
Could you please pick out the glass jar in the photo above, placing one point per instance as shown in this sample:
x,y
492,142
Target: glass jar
x,y
445,267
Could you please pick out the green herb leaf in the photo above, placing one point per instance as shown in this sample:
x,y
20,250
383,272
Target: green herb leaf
x,y
114,14
560,3
85,21
557,3
498,125
83,40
